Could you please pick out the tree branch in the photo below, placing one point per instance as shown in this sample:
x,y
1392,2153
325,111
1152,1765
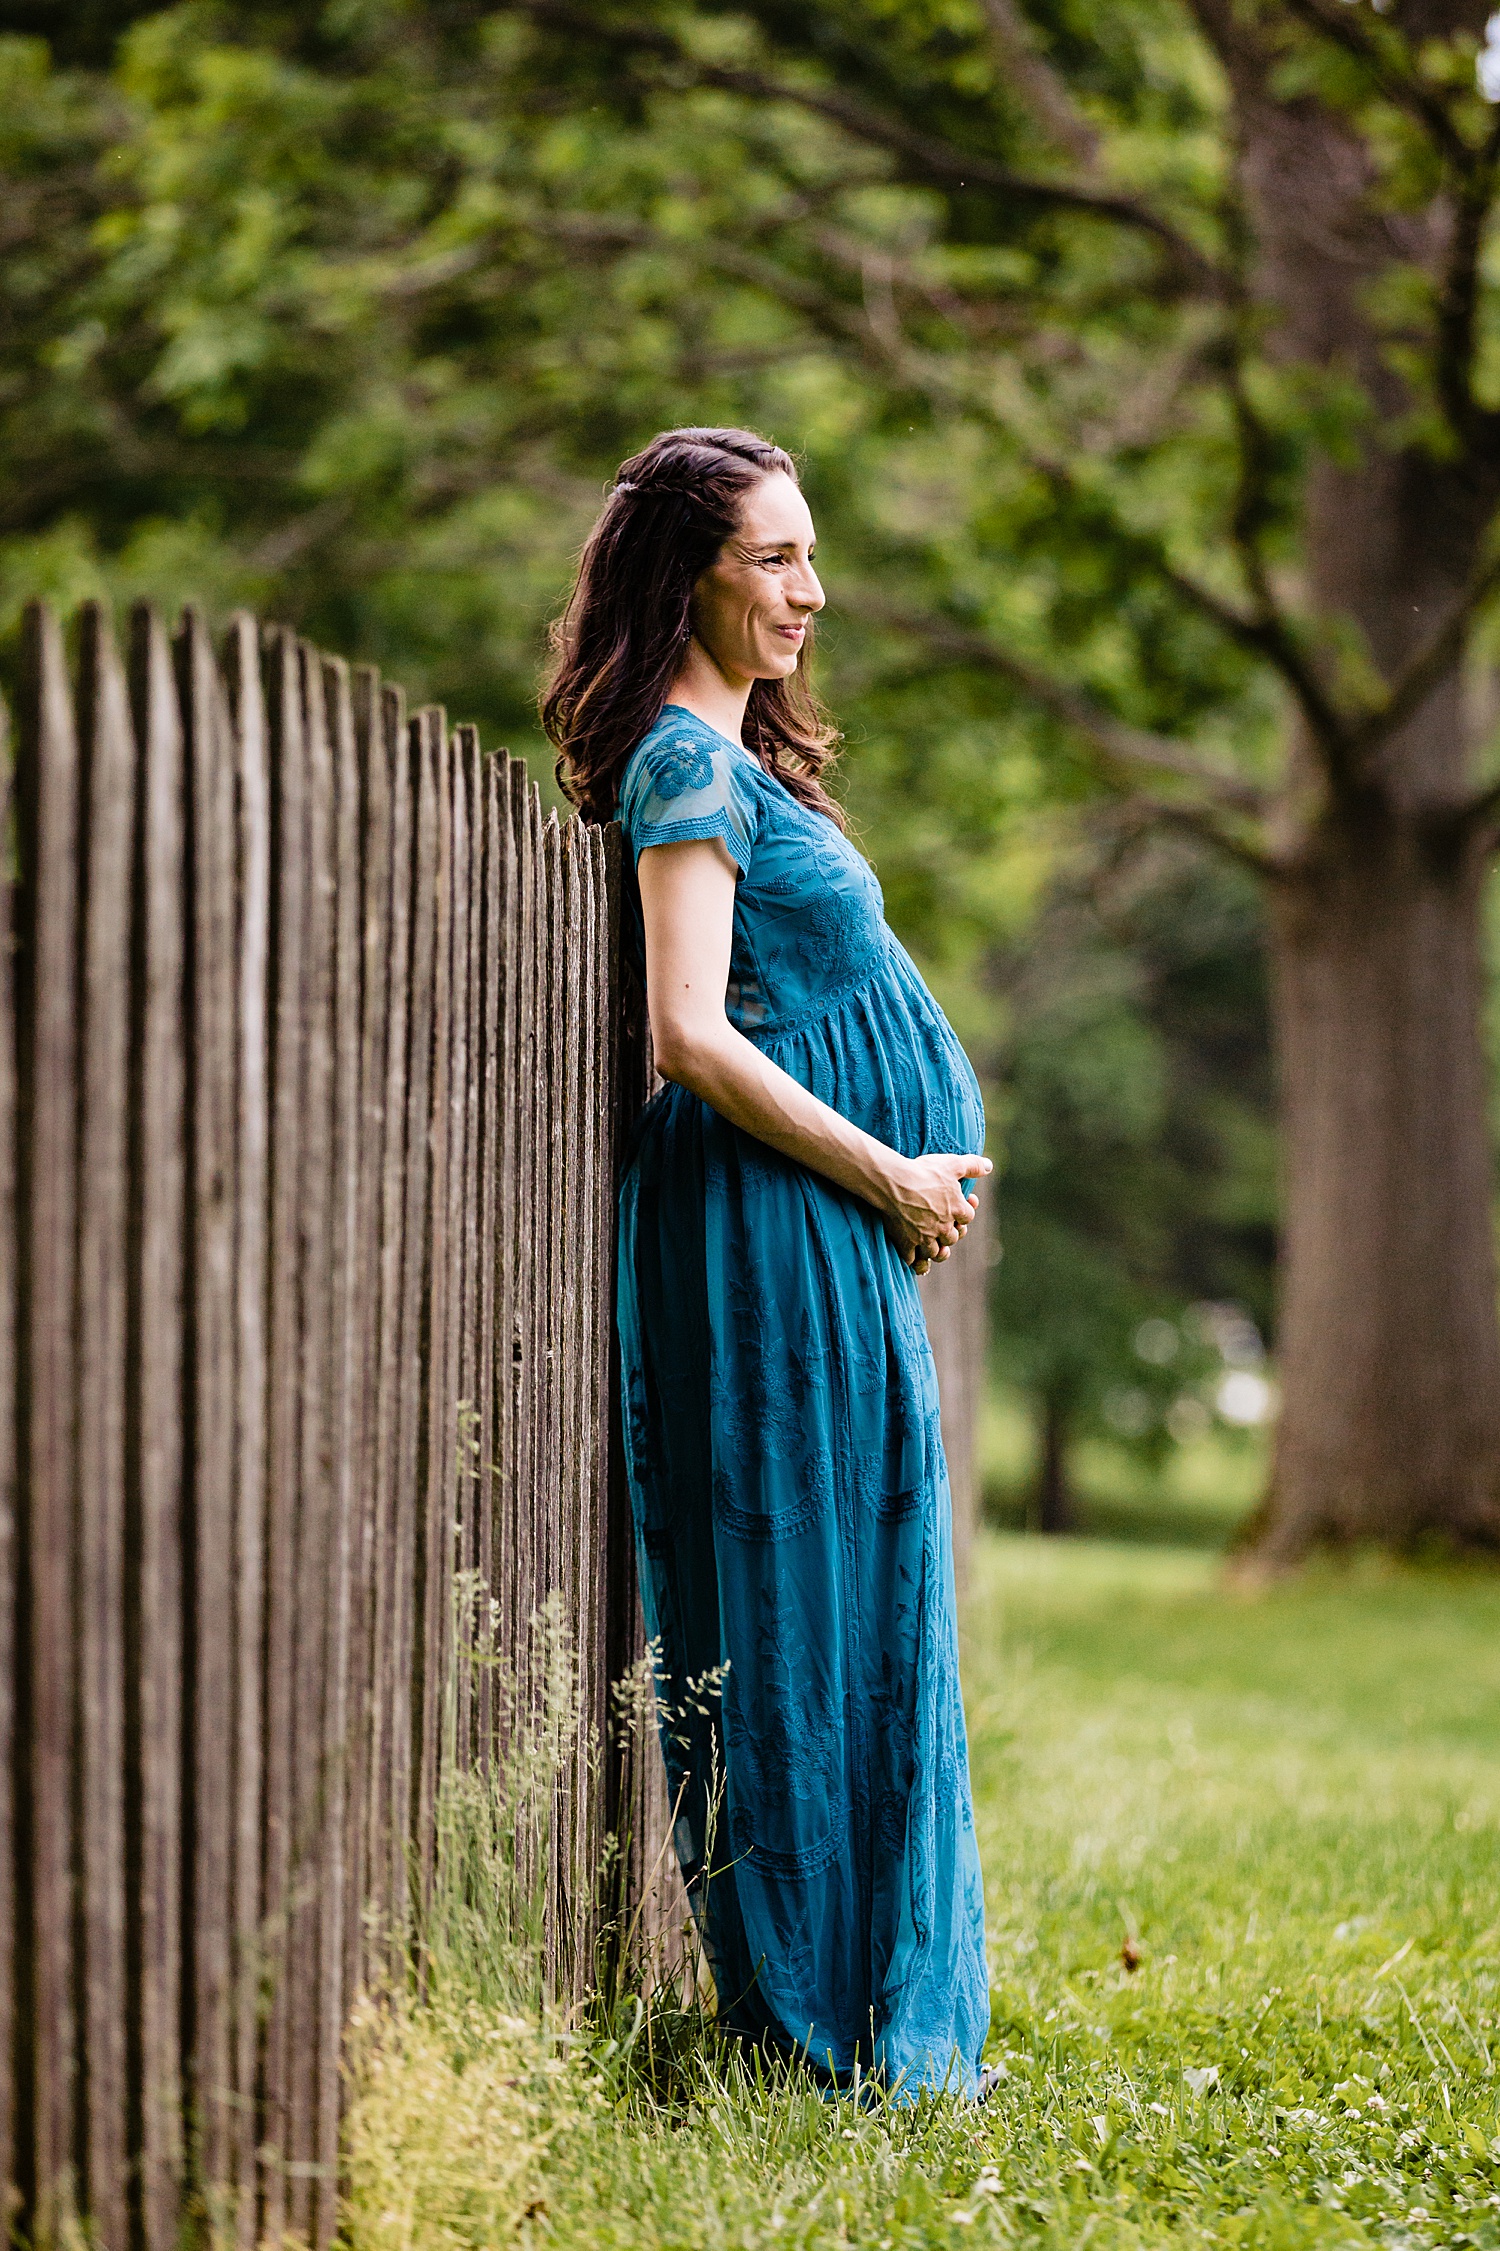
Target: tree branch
x,y
1265,632
1403,89
1044,92
1329,729
1410,690
1199,821
1253,443
922,156
1134,749
1479,813
1458,306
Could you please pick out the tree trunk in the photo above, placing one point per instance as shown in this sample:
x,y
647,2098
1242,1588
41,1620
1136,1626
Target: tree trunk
x,y
1052,1508
1389,1343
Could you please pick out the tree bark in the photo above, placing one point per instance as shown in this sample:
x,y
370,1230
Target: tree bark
x,y
1389,1342
1052,1510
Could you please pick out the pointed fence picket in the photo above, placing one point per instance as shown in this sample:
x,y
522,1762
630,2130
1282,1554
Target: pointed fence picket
x,y
316,1063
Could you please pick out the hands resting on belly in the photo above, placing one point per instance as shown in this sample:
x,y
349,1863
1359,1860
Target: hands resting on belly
x,y
928,1207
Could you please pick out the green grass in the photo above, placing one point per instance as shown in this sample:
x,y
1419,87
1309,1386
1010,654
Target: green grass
x,y
1288,1805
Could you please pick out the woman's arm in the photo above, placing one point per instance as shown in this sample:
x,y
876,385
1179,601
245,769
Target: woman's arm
x,y
687,900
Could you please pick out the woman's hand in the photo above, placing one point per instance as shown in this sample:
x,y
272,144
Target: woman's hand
x,y
927,1210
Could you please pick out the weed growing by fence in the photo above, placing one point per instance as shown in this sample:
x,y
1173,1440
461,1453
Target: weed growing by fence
x,y
1245,1933
464,2074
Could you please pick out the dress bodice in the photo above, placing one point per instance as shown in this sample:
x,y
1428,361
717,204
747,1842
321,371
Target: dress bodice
x,y
817,978
809,918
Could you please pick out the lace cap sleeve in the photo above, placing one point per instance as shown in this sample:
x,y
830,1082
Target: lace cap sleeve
x,y
685,782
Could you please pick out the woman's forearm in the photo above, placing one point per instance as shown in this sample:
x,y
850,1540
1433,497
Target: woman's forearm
x,y
730,1074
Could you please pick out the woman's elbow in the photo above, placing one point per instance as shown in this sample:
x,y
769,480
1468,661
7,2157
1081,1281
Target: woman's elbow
x,y
679,1050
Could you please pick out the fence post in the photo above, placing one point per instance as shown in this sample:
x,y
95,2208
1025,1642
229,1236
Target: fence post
x,y
209,1592
47,918
108,758
9,1340
235,2193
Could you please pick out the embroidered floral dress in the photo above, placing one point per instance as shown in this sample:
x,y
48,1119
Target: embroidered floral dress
x,y
786,1469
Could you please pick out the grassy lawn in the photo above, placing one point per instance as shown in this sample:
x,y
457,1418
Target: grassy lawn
x,y
1282,1810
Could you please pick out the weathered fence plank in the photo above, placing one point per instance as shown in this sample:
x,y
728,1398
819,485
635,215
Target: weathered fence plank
x,y
108,794
468,827
552,1490
565,1571
413,1485
454,1439
367,815
288,1118
585,1281
210,1526
47,778
487,878
528,1201
154,1538
504,952
386,1868
601,1287
296,2016
438,1436
235,2194
317,1055
9,1337
489,1245
346,1435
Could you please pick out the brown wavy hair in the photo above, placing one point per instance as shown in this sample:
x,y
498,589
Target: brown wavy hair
x,y
620,642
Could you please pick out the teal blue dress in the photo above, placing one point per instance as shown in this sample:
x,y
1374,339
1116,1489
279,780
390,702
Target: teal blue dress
x,y
793,1521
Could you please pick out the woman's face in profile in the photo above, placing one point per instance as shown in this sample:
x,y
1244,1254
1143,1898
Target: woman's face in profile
x,y
751,607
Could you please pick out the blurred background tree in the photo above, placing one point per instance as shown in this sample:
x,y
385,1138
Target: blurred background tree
x,y
1141,365
1139,1196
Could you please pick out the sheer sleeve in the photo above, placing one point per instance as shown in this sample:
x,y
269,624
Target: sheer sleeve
x,y
683,783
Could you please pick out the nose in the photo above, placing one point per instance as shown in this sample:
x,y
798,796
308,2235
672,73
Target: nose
x,y
807,594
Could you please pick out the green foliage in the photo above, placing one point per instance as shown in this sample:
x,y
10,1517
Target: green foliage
x,y
1294,1851
1139,1177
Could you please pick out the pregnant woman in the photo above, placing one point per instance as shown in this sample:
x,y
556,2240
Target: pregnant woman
x,y
810,1154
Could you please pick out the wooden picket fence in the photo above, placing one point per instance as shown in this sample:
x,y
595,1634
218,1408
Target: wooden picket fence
x,y
315,1058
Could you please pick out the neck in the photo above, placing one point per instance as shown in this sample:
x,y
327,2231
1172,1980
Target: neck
x,y
710,694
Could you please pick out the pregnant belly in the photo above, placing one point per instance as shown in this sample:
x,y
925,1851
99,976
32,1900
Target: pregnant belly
x,y
887,1060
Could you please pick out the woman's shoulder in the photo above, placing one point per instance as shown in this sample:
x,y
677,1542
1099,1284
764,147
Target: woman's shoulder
x,y
682,754
684,779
